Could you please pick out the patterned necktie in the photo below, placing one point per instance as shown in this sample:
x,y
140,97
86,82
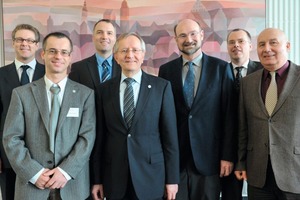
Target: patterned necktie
x,y
128,108
55,107
105,71
189,85
24,76
271,95
238,77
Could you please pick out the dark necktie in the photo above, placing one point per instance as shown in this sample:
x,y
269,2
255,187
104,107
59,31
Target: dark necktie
x,y
55,107
189,84
24,76
105,71
271,95
238,77
128,107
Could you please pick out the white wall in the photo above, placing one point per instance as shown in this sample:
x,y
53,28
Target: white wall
x,y
285,15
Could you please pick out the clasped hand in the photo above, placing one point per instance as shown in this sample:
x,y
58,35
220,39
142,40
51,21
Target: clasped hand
x,y
52,179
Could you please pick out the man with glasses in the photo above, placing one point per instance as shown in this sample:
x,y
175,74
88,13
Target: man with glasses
x,y
203,92
101,66
136,152
239,47
24,69
49,131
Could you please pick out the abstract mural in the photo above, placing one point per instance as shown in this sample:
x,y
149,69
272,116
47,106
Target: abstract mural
x,y
154,20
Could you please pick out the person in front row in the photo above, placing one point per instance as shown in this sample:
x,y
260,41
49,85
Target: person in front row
x,y
136,152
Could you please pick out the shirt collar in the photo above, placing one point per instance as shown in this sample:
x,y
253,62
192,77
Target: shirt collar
x,y
31,64
137,77
196,61
100,59
245,65
61,84
280,71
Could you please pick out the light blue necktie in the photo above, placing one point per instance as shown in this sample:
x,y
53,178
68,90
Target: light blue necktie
x,y
105,71
128,107
55,107
189,85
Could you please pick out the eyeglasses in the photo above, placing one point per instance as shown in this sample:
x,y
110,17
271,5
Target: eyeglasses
x,y
63,53
21,40
134,51
192,34
240,42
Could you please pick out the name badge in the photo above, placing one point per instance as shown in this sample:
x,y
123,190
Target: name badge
x,y
73,112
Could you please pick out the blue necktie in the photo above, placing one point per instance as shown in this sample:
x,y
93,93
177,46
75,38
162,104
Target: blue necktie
x,y
55,107
128,107
24,75
105,71
189,84
238,77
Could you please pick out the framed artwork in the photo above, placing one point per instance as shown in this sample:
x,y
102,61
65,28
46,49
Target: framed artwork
x,y
154,20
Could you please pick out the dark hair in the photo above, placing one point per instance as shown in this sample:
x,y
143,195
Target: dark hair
x,y
57,35
179,22
104,20
239,29
26,27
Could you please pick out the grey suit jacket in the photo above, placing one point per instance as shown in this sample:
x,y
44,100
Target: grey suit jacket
x,y
26,140
277,136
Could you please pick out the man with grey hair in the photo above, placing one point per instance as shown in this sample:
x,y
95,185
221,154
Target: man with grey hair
x,y
136,150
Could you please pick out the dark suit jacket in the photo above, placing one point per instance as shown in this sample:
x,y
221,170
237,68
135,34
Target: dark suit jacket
x,y
149,150
277,136
9,80
86,72
26,138
206,130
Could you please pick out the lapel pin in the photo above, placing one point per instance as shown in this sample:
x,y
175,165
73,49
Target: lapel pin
x,y
74,91
149,86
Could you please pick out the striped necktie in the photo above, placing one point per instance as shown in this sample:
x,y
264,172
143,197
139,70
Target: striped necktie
x,y
128,107
105,71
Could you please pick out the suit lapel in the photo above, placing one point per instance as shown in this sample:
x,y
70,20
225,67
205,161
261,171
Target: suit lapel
x,y
40,95
12,76
289,85
38,72
92,62
144,93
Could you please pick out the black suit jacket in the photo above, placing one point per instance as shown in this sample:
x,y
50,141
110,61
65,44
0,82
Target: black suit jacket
x,y
252,67
148,151
9,80
206,130
86,72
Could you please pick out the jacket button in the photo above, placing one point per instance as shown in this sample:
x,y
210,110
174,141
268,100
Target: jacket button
x,y
129,135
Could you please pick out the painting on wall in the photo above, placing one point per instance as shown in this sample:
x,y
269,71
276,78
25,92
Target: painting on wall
x,y
154,20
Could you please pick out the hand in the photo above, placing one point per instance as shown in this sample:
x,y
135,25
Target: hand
x,y
226,168
97,192
171,190
241,175
42,180
57,180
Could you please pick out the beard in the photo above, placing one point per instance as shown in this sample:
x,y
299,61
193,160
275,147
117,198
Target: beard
x,y
190,51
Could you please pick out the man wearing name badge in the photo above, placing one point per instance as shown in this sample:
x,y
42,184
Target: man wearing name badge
x,y
101,66
49,131
239,47
24,69
269,112
136,150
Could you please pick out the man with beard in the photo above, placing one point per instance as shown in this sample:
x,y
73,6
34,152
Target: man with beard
x,y
101,66
205,118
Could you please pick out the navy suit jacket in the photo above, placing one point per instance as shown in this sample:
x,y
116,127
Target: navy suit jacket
x,y
86,72
9,80
206,130
148,151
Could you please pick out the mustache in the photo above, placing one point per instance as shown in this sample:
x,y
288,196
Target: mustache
x,y
189,43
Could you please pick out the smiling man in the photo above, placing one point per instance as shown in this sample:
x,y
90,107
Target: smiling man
x,y
101,66
136,150
24,69
49,131
203,92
